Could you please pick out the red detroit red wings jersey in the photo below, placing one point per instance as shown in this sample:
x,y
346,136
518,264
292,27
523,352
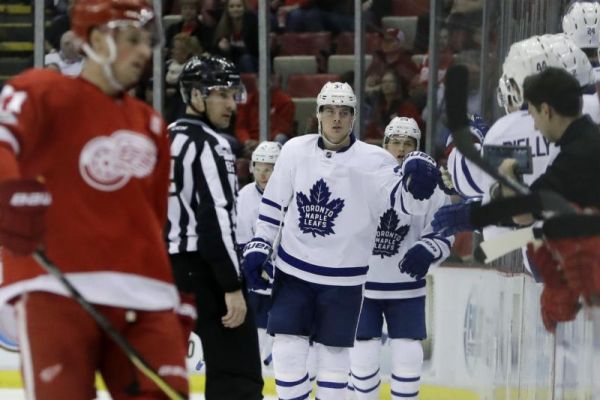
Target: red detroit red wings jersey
x,y
106,163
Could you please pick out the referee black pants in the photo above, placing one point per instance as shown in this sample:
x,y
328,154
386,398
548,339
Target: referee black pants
x,y
233,367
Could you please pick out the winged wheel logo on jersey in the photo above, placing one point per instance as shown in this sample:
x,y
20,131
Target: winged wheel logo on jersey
x,y
389,235
317,212
107,163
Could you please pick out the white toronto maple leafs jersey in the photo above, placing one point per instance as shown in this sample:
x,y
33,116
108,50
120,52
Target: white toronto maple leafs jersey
x,y
396,233
591,106
248,202
334,200
517,129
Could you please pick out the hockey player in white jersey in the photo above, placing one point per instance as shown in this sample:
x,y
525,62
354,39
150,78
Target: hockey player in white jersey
x,y
581,24
332,189
405,248
525,58
261,167
461,170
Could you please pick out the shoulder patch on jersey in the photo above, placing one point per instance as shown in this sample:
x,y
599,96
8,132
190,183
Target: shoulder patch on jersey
x,y
389,235
317,213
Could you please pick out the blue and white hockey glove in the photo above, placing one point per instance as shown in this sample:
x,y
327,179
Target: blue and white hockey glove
x,y
420,175
419,257
256,261
453,218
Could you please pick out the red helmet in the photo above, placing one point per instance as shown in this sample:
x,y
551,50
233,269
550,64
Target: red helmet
x,y
87,14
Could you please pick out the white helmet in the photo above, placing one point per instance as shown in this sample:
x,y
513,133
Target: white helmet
x,y
581,24
266,152
402,126
336,94
569,57
535,54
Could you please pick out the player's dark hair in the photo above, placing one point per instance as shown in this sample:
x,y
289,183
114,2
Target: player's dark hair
x,y
555,87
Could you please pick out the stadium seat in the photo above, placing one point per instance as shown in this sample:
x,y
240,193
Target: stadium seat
x,y
309,43
169,20
345,43
339,64
308,85
305,109
285,66
408,25
404,8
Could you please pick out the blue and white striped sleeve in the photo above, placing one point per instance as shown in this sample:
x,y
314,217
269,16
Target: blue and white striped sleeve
x,y
465,174
444,243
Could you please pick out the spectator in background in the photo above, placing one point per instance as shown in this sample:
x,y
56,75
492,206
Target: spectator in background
x,y
389,102
57,28
183,47
212,10
418,86
322,15
68,60
236,36
392,55
282,117
464,31
191,25
280,9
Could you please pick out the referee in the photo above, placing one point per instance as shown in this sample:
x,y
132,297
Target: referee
x,y
201,225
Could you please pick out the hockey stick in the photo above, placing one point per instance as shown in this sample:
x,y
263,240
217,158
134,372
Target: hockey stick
x,y
133,356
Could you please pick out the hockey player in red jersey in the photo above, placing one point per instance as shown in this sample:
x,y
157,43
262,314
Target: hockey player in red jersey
x,y
84,175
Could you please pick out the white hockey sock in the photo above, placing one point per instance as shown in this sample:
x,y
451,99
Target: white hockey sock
x,y
289,367
265,343
311,363
332,376
364,368
407,363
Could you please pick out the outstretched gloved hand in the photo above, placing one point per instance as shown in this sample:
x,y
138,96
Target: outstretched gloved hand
x,y
420,175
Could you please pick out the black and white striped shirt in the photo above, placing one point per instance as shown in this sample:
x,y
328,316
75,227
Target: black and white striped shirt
x,y
202,197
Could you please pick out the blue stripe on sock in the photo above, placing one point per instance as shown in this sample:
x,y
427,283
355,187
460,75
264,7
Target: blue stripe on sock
x,y
402,379
364,378
332,385
290,384
369,389
405,394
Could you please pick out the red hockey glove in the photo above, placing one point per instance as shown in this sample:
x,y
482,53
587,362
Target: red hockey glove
x,y
558,304
580,260
23,205
545,264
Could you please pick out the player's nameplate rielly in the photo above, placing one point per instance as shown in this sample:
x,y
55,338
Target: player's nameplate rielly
x,y
495,154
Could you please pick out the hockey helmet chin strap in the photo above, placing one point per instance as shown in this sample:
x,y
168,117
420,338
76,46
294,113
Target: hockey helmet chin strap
x,y
106,62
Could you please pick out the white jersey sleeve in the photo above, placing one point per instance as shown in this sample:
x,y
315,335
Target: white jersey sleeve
x,y
247,206
591,106
466,176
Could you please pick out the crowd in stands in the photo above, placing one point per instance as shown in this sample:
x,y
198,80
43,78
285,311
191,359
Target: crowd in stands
x,y
318,33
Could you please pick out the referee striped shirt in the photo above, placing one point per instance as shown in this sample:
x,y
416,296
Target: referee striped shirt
x,y
202,197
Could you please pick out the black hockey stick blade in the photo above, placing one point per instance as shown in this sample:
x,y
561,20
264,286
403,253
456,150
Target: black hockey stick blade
x,y
132,354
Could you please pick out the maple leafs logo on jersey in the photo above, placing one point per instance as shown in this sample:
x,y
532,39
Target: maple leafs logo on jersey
x,y
317,213
389,235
